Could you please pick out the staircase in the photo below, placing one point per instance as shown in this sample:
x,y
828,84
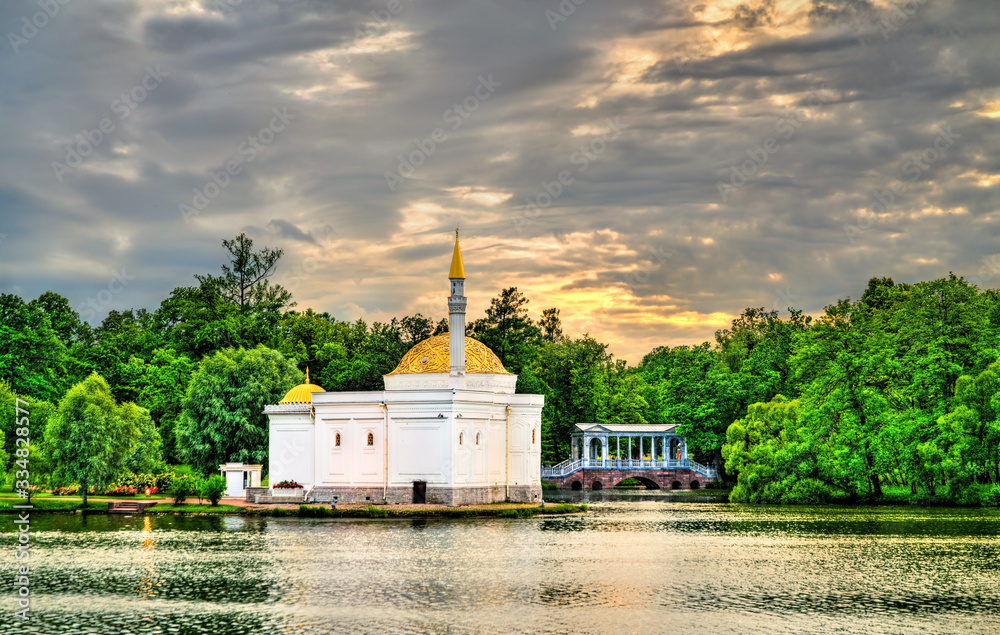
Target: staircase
x,y
129,507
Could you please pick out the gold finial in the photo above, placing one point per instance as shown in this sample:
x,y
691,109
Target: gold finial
x,y
307,374
457,269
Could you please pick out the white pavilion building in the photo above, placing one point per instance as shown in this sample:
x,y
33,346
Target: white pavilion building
x,y
447,429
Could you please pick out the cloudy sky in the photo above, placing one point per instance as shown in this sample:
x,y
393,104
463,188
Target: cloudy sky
x,y
712,155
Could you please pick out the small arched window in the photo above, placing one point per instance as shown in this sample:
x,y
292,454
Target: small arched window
x,y
336,440
460,438
477,438
532,436
371,439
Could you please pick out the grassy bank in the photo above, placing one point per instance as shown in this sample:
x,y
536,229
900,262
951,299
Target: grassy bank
x,y
307,511
50,505
385,511
374,511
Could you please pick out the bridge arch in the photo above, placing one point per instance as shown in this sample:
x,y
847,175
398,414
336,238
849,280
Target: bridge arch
x,y
648,483
675,485
576,486
597,486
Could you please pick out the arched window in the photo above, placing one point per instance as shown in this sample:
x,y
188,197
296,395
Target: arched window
x,y
532,436
477,438
336,440
371,439
460,438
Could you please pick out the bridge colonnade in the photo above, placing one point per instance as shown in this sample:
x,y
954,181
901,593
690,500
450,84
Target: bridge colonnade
x,y
602,444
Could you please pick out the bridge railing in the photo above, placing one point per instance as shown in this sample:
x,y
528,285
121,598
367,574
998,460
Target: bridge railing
x,y
570,466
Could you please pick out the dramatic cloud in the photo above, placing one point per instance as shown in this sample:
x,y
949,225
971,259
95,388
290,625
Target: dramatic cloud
x,y
651,168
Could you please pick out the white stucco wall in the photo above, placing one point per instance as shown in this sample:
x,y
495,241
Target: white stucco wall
x,y
291,445
424,428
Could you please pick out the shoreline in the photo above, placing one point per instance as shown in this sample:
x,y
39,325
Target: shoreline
x,y
347,511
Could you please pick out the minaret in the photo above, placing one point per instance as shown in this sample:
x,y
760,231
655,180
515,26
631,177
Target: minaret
x,y
456,315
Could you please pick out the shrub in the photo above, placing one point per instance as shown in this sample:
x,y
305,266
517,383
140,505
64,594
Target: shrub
x,y
153,482
286,484
807,491
990,495
212,488
314,512
514,513
180,489
196,487
121,490
163,481
549,486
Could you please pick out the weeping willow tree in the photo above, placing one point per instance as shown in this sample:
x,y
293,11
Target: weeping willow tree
x,y
91,440
222,418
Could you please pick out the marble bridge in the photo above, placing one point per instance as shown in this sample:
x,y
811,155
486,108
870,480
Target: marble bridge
x,y
605,454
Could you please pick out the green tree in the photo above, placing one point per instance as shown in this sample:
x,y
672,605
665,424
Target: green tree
x,y
772,452
38,414
199,320
222,418
508,330
62,318
576,376
303,336
689,386
844,369
92,440
245,282
33,359
212,488
626,403
162,385
551,325
109,350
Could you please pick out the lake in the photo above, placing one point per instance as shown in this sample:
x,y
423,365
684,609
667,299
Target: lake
x,y
633,564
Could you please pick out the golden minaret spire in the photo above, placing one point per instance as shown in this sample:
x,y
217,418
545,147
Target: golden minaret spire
x,y
457,269
456,315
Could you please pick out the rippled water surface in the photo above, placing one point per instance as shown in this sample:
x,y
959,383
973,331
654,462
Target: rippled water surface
x,y
641,565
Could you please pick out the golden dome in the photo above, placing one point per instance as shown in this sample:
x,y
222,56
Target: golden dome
x,y
301,393
431,356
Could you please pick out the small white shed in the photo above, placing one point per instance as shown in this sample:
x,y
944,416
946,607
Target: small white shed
x,y
240,476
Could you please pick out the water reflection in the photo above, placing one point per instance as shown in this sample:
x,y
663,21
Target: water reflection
x,y
646,565
147,560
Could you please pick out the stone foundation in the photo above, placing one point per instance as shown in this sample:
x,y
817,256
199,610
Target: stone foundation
x,y
448,496
606,479
253,492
